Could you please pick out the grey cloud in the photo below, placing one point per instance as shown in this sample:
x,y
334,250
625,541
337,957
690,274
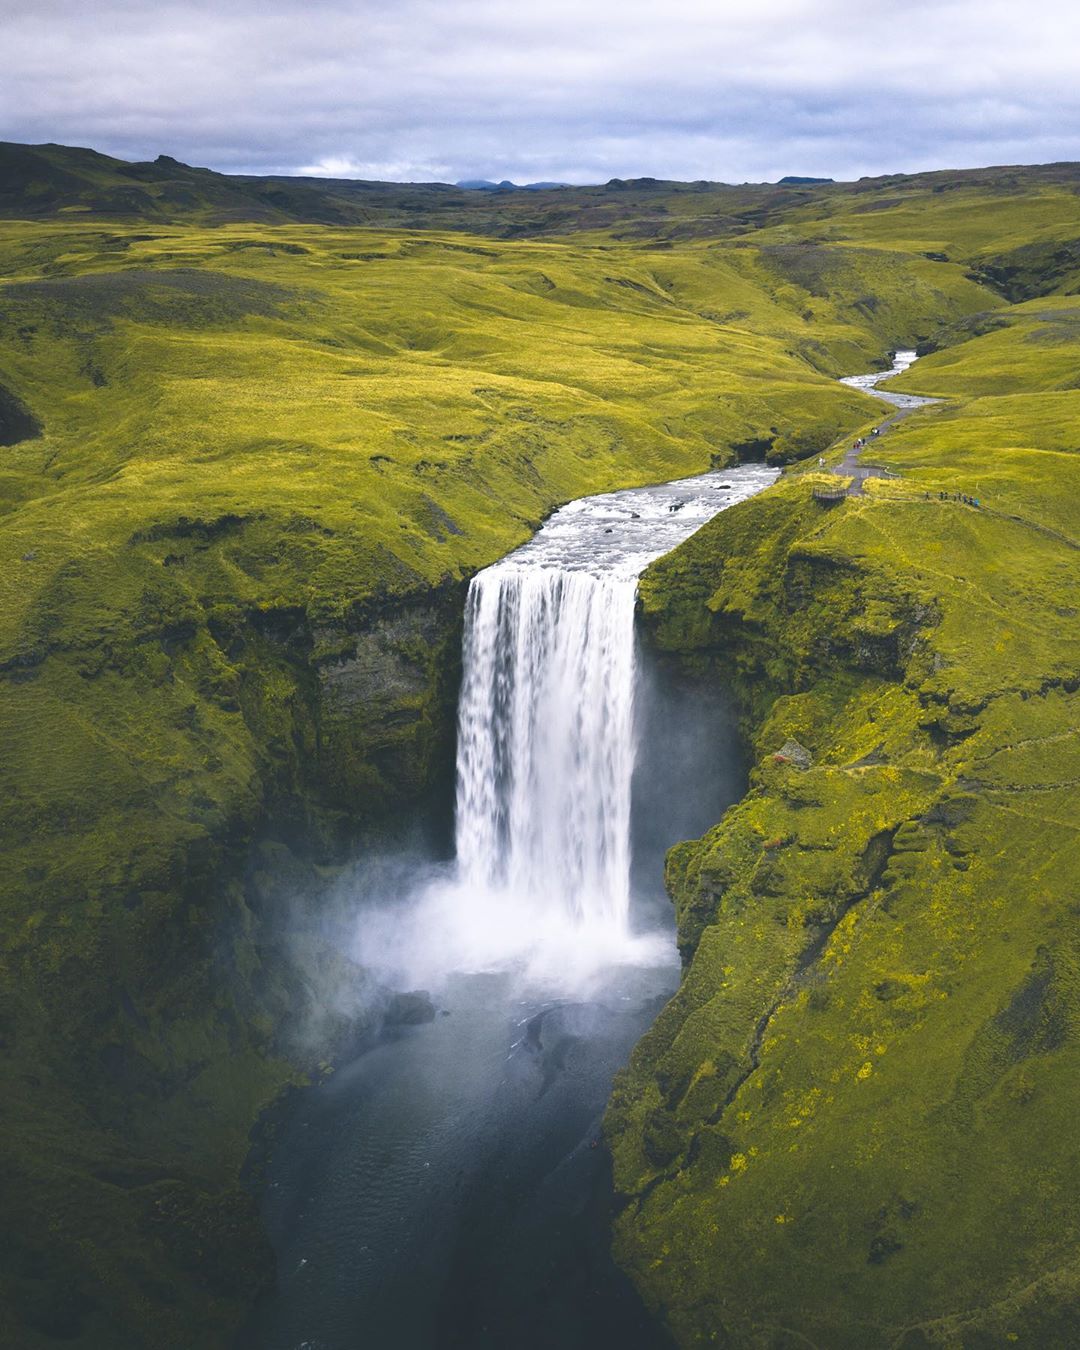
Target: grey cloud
x,y
569,89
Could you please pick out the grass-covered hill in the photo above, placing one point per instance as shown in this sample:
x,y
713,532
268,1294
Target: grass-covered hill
x,y
855,1124
55,181
254,436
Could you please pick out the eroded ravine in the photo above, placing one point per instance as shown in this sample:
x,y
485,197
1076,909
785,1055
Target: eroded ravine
x,y
448,1188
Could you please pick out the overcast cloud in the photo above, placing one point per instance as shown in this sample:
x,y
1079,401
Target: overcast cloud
x,y
573,90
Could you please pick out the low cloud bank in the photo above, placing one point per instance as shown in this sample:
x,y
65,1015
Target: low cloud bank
x,y
469,89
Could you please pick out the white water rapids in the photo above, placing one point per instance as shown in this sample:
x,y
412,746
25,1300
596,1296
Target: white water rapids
x,y
869,384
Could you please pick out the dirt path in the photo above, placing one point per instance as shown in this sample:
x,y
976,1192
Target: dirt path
x,y
903,405
851,465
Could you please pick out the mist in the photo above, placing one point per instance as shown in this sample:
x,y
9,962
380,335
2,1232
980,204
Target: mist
x,y
403,922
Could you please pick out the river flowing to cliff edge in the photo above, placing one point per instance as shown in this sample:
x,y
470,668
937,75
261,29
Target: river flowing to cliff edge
x,y
553,720
447,1190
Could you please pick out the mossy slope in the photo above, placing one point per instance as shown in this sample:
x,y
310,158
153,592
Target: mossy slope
x,y
853,1125
248,464
231,570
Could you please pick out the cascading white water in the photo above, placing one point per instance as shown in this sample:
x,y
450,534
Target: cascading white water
x,y
546,740
546,747
868,384
546,735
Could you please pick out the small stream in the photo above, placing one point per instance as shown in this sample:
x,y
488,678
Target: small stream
x,y
449,1189
870,384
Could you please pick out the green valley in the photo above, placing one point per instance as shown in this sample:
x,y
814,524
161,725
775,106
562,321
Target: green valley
x,y
256,435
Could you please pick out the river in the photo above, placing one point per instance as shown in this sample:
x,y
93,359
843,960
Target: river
x,y
448,1188
870,384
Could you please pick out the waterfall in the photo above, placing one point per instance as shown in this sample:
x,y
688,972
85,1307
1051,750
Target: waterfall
x,y
546,741
546,751
546,728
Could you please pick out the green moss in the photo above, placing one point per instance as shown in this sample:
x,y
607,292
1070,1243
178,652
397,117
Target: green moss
x,y
272,450
865,1078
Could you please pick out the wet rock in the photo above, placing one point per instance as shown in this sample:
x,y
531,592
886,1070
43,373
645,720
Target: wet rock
x,y
409,1010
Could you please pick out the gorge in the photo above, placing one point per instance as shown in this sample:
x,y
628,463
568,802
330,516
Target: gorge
x,y
269,435
447,1189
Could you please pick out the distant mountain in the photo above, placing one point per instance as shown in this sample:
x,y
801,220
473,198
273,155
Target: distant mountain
x,y
48,181
486,185
44,180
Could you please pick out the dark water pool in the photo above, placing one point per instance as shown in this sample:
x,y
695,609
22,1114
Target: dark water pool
x,y
447,1190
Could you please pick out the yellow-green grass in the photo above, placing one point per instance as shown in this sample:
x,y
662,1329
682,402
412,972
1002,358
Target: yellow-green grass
x,y
426,371
262,442
247,453
852,1126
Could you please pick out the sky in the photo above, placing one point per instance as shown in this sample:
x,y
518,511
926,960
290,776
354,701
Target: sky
x,y
575,91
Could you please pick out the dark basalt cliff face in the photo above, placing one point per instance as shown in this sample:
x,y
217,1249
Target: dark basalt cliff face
x,y
852,1125
154,1011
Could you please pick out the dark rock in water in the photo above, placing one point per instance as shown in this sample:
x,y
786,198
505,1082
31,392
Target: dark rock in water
x,y
796,753
409,1010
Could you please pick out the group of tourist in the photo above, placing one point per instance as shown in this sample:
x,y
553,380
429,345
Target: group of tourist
x,y
955,497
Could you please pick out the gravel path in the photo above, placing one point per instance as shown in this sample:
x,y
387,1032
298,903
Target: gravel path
x,y
851,465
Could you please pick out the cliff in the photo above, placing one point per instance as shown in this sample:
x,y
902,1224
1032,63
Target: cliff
x,y
852,1125
247,478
